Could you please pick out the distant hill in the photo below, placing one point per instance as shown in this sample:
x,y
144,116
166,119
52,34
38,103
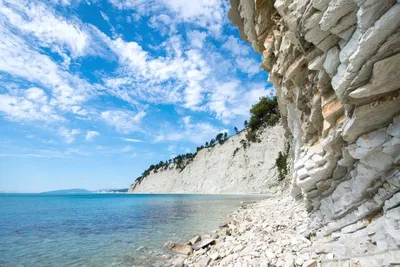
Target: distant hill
x,y
112,190
68,191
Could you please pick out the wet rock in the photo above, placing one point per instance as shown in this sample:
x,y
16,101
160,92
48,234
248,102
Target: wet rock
x,y
168,245
182,249
193,240
203,243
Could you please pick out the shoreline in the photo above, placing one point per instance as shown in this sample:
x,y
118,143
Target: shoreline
x,y
253,237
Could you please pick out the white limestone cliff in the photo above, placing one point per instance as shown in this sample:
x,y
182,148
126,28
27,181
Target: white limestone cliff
x,y
251,169
335,66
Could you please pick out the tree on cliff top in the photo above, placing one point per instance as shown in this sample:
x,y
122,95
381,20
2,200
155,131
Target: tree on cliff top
x,y
264,113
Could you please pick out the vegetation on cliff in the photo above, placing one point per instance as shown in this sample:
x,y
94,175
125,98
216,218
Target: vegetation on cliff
x,y
264,113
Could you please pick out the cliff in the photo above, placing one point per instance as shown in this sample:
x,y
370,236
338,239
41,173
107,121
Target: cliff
x,y
235,166
335,66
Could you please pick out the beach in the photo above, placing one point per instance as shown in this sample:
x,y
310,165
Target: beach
x,y
274,232
266,233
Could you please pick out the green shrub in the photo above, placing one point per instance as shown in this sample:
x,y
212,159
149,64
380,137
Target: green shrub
x,y
264,113
281,163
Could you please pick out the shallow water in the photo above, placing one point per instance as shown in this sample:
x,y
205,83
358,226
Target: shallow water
x,y
103,229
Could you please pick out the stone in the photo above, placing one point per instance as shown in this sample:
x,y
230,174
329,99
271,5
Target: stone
x,y
328,42
382,78
368,14
178,262
214,256
332,61
194,240
347,160
394,128
335,11
169,245
203,243
357,152
182,249
373,139
370,41
378,161
238,248
346,36
316,35
332,110
269,254
204,261
317,63
370,117
313,21
321,5
299,261
345,23
310,263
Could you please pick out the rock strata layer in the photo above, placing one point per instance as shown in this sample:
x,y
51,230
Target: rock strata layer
x,y
232,167
335,66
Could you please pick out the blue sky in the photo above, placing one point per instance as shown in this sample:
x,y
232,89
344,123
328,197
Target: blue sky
x,y
93,92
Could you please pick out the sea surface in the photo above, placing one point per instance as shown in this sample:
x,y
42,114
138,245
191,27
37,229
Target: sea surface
x,y
104,229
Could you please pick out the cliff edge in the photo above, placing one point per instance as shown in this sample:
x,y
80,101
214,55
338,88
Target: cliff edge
x,y
233,167
335,67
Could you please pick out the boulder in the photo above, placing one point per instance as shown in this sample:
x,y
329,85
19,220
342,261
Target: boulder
x,y
182,249
203,243
193,240
169,245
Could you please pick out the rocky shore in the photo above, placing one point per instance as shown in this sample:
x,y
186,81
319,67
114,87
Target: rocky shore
x,y
272,232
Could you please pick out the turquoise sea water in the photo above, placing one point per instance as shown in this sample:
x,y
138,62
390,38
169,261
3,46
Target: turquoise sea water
x,y
103,229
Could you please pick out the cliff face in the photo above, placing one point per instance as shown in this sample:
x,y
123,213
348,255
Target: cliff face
x,y
335,65
251,169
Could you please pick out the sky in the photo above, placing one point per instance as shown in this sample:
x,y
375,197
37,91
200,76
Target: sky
x,y
93,92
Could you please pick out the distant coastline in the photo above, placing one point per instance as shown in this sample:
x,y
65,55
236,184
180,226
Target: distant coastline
x,y
85,191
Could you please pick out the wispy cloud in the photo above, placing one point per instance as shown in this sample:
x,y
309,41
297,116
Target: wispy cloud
x,y
124,121
33,104
68,134
132,140
91,134
47,153
194,132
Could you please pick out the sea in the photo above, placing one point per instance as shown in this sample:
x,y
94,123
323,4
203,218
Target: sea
x,y
105,229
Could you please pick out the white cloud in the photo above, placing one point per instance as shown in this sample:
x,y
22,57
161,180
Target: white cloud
x,y
104,16
132,140
161,79
236,46
50,28
91,134
163,23
196,38
123,121
230,100
248,65
210,14
19,59
68,134
195,132
31,105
